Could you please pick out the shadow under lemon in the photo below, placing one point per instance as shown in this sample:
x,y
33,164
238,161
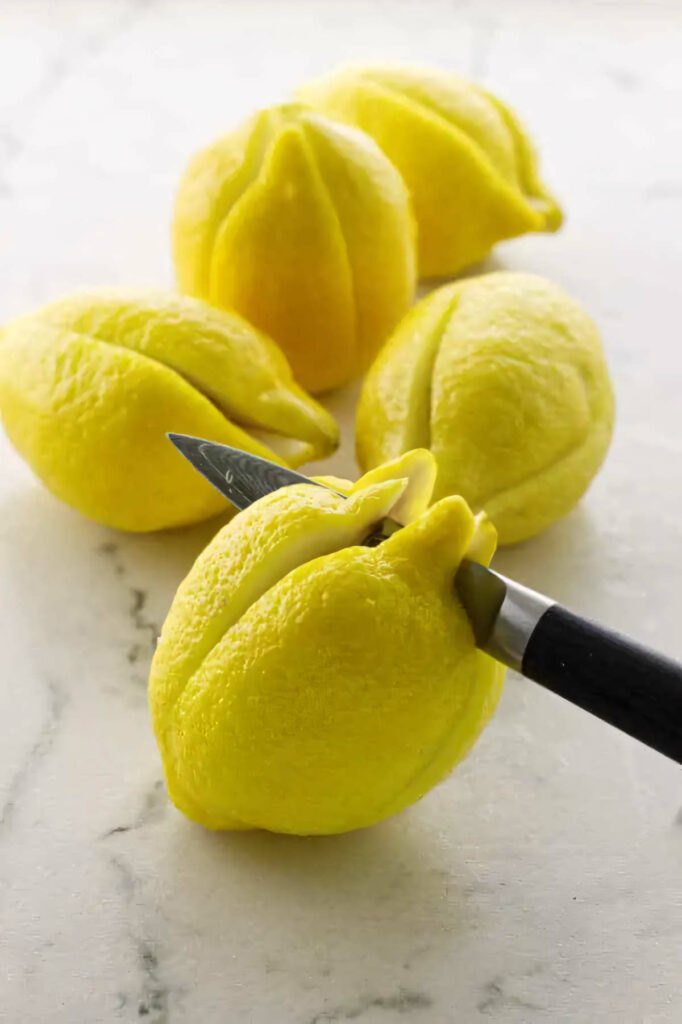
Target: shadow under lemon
x,y
387,890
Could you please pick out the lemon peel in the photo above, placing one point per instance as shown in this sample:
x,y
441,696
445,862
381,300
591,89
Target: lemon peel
x,y
503,378
90,384
304,227
306,684
469,164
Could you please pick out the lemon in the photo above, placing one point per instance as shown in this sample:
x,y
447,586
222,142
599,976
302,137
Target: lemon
x,y
90,384
304,227
306,684
504,379
463,154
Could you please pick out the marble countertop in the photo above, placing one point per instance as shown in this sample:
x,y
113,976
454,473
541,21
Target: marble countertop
x,y
543,881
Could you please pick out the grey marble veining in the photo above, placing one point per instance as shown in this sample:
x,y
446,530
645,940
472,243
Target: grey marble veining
x,y
543,881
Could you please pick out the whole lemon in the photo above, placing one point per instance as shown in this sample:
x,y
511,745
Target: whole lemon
x,y
503,378
90,385
304,227
467,161
304,683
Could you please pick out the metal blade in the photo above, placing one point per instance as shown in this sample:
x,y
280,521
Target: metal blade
x,y
503,614
241,477
482,593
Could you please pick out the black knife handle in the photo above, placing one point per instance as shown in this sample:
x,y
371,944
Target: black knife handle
x,y
621,682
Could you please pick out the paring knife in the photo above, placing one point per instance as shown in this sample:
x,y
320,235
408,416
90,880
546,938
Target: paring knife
x,y
614,678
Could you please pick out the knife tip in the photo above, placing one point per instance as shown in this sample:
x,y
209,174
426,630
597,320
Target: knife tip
x,y
187,445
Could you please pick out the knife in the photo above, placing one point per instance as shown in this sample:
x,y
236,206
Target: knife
x,y
632,688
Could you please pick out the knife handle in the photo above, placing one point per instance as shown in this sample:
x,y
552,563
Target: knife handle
x,y
619,681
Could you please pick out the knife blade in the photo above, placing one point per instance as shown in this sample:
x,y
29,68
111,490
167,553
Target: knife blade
x,y
615,678
241,477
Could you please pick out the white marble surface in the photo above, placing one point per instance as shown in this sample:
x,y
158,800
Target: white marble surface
x,y
543,881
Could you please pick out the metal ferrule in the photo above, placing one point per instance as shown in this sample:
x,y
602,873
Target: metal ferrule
x,y
519,614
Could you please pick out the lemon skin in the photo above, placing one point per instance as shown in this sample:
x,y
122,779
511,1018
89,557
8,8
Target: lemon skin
x,y
504,379
470,166
91,384
306,684
303,226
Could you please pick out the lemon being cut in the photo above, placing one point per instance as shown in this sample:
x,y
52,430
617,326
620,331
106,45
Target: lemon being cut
x,y
303,226
304,683
469,165
90,385
503,378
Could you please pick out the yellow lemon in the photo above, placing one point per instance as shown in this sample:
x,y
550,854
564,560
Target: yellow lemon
x,y
90,384
304,227
467,161
504,379
304,683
